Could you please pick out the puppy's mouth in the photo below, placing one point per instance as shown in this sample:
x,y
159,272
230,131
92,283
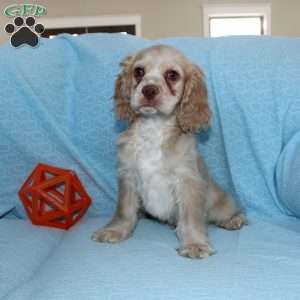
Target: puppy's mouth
x,y
148,107
147,110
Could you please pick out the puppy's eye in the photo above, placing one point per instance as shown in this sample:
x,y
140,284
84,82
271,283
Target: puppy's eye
x,y
172,75
139,73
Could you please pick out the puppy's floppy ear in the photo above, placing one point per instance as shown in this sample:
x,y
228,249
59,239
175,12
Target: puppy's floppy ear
x,y
193,111
123,90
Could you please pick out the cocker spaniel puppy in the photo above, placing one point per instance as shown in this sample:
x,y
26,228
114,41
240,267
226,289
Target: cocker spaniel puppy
x,y
164,98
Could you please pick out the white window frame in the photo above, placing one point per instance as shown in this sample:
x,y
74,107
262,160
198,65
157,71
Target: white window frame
x,y
237,10
104,20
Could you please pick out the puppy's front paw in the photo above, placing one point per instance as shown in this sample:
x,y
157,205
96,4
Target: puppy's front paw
x,y
236,222
107,236
196,251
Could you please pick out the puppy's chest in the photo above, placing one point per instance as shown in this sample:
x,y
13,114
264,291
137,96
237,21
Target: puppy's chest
x,y
154,175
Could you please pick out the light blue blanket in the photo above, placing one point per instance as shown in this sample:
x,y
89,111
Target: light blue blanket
x,y
259,262
56,107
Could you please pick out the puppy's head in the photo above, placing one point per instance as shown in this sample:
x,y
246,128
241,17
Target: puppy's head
x,y
160,81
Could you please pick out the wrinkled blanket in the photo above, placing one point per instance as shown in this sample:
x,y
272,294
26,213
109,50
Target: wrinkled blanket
x,y
56,107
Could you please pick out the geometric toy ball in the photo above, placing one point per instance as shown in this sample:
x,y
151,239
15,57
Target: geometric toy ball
x,y
54,197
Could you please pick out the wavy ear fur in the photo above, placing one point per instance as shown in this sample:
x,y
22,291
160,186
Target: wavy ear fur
x,y
193,111
122,91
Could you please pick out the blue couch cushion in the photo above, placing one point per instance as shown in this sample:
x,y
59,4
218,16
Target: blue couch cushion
x,y
261,261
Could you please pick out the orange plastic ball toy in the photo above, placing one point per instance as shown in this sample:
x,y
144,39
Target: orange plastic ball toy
x,y
54,197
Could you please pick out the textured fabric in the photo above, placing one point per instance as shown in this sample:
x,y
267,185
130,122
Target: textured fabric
x,y
288,177
259,262
56,108
255,83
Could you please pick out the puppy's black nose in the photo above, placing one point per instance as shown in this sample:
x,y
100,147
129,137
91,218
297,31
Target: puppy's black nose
x,y
150,91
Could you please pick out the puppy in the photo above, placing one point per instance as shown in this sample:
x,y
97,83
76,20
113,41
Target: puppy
x,y
164,98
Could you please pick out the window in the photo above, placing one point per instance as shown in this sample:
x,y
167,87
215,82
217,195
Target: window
x,y
79,25
224,20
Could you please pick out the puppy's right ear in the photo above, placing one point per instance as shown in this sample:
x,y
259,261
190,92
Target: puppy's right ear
x,y
123,91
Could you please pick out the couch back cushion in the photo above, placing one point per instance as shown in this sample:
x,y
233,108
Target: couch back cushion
x,y
56,107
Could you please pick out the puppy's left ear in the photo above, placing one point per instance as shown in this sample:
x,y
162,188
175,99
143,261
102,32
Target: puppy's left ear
x,y
193,111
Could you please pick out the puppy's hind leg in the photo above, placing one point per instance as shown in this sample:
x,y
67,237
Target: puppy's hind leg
x,y
222,211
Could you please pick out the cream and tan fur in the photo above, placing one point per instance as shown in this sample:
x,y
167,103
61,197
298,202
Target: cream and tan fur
x,y
164,98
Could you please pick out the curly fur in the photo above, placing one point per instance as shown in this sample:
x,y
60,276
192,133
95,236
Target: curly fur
x,y
122,92
194,112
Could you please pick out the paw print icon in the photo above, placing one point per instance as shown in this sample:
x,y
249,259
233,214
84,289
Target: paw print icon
x,y
24,31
